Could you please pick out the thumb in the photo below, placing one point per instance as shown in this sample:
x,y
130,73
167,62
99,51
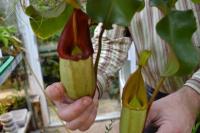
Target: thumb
x,y
55,92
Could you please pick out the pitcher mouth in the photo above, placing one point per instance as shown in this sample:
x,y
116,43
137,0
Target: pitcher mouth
x,y
75,42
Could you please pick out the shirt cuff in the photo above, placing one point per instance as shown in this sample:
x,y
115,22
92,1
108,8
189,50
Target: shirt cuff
x,y
194,82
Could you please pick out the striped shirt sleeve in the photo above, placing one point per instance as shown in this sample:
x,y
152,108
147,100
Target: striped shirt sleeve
x,y
113,54
194,82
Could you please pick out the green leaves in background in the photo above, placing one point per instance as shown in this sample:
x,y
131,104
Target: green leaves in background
x,y
196,1
172,65
113,11
6,34
164,5
177,29
46,24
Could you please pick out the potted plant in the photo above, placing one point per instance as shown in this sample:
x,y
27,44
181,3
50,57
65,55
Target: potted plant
x,y
10,44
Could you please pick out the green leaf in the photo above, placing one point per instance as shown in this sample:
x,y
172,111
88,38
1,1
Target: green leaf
x,y
113,11
196,1
46,24
164,5
172,65
6,34
11,29
177,29
5,41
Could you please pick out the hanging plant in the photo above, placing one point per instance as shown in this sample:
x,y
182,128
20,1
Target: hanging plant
x,y
75,49
134,100
75,52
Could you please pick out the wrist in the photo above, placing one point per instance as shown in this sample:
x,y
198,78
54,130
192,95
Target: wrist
x,y
191,98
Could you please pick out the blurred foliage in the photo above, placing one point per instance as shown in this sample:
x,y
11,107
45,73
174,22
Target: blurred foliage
x,y
16,80
43,5
53,38
3,108
12,103
47,23
50,70
18,77
6,33
17,102
9,41
196,128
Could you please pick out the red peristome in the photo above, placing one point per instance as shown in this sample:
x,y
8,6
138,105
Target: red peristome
x,y
72,37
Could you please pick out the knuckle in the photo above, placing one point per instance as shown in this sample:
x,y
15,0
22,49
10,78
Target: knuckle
x,y
54,92
69,126
85,127
88,124
63,116
75,124
72,128
81,122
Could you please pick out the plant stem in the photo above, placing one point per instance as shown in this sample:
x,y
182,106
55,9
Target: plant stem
x,y
160,83
99,51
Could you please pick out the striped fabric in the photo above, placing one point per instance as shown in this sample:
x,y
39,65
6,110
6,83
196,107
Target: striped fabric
x,y
113,54
194,82
144,36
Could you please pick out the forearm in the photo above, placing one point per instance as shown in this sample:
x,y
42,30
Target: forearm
x,y
191,90
191,98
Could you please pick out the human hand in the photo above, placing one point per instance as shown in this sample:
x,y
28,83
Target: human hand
x,y
175,113
79,114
